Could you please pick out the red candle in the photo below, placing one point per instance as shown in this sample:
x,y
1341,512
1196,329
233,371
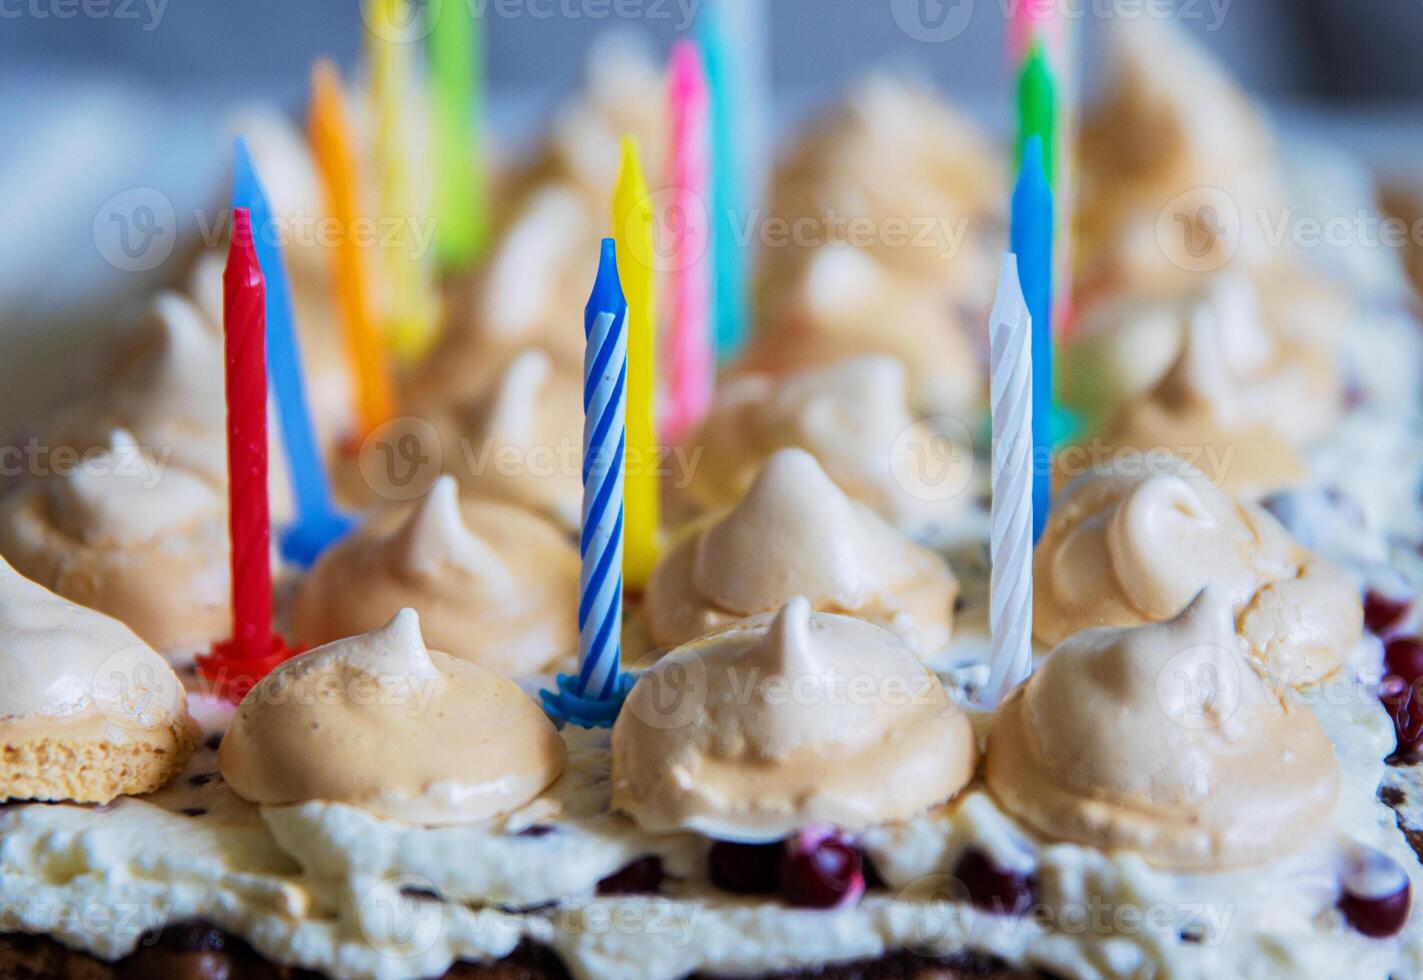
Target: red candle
x,y
233,667
244,321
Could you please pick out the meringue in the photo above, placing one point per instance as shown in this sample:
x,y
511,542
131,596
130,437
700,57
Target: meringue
x,y
844,304
1164,740
1199,412
383,724
891,155
796,533
164,385
787,720
493,584
853,417
1128,548
1178,167
1277,340
522,441
141,539
88,711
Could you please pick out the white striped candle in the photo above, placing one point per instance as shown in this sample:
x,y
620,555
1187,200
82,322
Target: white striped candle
x,y
1010,612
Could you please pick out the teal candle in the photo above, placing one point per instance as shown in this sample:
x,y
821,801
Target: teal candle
x,y
730,199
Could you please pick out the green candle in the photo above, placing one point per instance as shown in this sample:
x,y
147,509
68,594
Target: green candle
x,y
1037,109
457,117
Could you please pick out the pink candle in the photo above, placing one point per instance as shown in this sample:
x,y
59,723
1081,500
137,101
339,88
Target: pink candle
x,y
689,361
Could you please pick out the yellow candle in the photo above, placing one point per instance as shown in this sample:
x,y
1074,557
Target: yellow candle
x,y
331,145
632,229
408,314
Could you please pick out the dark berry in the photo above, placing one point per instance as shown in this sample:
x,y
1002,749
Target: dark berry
x,y
1403,656
1382,613
1405,709
641,877
1375,895
993,888
197,936
821,870
745,869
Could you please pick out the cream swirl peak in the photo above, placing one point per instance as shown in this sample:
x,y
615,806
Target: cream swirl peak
x,y
1165,740
853,417
1201,412
141,539
88,711
1126,549
494,584
796,533
380,722
786,720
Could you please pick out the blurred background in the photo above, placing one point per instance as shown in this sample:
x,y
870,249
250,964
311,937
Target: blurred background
x,y
109,95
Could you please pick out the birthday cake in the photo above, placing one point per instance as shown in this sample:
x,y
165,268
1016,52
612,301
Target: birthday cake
x,y
795,744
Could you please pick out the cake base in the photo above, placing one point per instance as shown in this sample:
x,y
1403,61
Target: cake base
x,y
198,951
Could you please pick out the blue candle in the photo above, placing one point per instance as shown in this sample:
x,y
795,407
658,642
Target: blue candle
x,y
592,697
318,523
730,203
1032,239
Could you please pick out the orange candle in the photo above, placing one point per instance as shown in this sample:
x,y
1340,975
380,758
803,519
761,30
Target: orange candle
x,y
331,144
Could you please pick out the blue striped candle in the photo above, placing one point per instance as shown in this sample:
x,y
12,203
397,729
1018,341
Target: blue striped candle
x,y
318,523
1031,233
592,698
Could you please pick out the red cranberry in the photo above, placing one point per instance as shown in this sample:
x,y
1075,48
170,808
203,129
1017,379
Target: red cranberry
x,y
1403,656
745,869
1375,895
992,887
821,870
1382,613
641,877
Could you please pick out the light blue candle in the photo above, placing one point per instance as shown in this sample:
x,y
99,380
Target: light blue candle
x,y
592,697
318,523
1032,239
728,80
